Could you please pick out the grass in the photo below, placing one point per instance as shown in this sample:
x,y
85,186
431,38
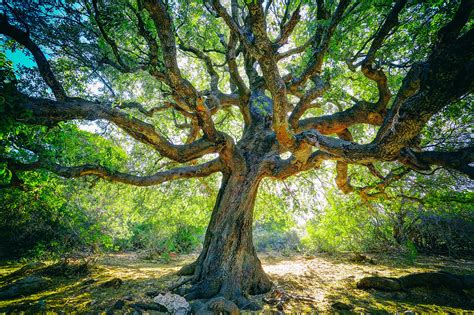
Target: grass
x,y
324,278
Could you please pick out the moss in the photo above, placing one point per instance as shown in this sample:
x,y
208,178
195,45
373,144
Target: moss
x,y
326,279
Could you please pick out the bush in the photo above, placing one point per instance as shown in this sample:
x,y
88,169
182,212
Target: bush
x,y
443,234
266,240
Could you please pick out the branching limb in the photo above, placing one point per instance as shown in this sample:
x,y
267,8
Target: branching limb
x,y
366,195
147,112
183,90
288,27
294,51
231,56
361,113
106,35
49,112
214,77
305,102
43,65
351,152
426,90
235,28
316,62
282,169
155,66
273,80
368,70
201,170
378,75
461,160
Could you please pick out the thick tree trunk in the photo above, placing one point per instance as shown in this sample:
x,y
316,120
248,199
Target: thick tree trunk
x,y
228,265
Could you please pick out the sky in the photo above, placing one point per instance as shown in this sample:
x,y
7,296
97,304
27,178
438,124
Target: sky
x,y
19,58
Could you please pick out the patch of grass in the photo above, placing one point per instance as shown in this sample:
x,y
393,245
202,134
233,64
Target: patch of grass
x,y
324,278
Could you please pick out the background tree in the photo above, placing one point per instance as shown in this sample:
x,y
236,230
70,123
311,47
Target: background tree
x,y
276,69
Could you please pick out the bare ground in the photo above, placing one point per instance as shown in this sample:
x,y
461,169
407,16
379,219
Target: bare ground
x,y
322,283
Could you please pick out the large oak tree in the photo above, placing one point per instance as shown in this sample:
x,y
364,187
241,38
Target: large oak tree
x,y
284,65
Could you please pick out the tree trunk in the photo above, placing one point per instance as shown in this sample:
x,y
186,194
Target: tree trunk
x,y
228,265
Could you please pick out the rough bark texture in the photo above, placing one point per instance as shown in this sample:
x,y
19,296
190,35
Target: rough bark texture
x,y
228,267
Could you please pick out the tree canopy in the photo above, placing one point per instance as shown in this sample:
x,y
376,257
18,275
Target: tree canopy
x,y
249,89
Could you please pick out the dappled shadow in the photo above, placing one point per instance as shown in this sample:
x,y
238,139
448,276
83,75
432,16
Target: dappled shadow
x,y
322,280
330,279
93,292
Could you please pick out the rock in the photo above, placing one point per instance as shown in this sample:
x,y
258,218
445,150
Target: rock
x,y
342,306
379,283
88,281
400,295
360,258
113,283
200,307
221,305
432,280
152,293
148,307
25,286
23,271
468,281
118,305
174,303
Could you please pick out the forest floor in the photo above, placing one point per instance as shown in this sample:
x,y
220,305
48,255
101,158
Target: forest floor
x,y
327,283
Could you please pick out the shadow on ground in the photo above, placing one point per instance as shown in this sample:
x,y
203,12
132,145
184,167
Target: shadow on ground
x,y
314,283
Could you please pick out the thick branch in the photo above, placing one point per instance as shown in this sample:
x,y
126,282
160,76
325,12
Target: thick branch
x,y
361,113
390,22
342,180
45,111
447,75
378,75
461,160
233,68
283,169
154,68
43,65
350,152
235,28
305,102
201,170
273,80
183,90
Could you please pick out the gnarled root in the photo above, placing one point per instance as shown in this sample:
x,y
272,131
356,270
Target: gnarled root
x,y
213,294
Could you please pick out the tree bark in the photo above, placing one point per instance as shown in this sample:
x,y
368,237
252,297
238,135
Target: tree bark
x,y
228,265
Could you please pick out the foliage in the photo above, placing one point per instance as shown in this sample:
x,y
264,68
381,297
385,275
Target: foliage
x,y
43,214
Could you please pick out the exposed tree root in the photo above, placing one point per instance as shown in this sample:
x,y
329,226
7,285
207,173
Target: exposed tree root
x,y
187,270
215,295
431,280
180,283
212,295
280,297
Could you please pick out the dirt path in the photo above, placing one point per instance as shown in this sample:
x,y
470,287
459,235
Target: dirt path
x,y
327,282
332,279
